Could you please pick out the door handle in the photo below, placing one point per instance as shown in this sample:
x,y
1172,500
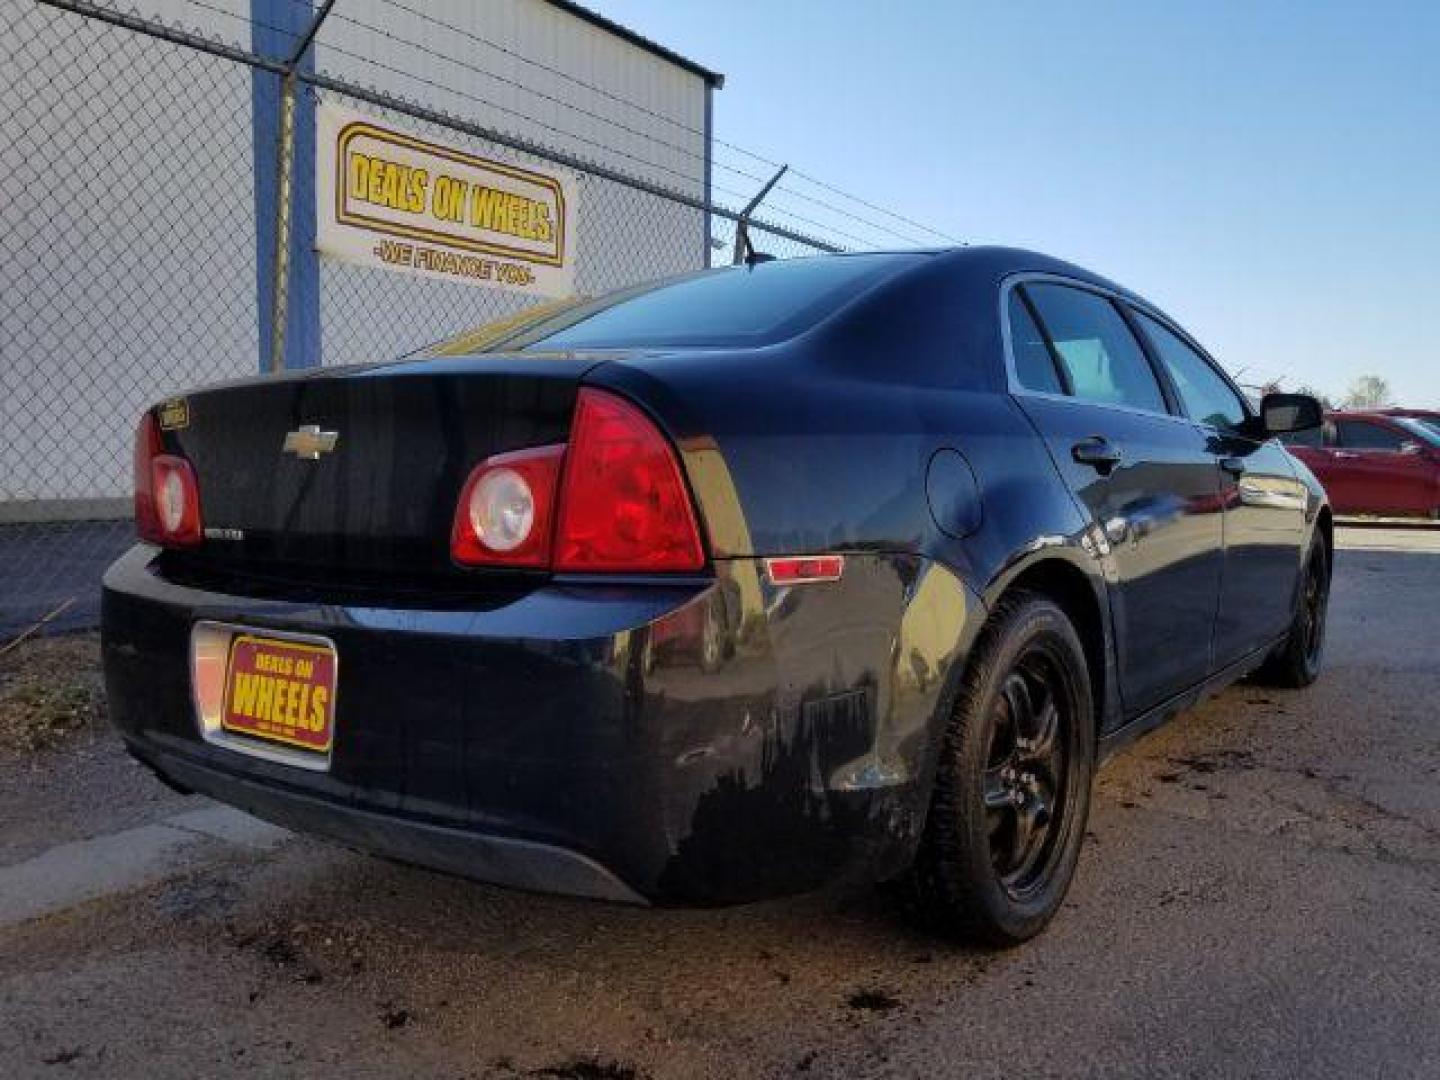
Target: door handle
x,y
1345,455
1098,452
1235,466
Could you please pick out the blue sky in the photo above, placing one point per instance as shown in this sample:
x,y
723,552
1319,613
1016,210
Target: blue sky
x,y
1267,172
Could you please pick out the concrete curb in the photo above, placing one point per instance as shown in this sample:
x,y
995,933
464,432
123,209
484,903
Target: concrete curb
x,y
85,870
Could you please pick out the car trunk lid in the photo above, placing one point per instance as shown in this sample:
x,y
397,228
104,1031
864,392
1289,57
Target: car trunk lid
x,y
356,472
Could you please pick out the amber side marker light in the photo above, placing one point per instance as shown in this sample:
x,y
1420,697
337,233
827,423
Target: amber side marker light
x,y
805,569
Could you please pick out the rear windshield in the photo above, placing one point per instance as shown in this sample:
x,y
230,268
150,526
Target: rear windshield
x,y
737,306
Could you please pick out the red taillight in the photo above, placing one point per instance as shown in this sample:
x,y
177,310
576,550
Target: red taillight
x,y
506,511
167,496
623,503
612,500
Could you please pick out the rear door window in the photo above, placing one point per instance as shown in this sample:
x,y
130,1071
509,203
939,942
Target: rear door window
x,y
1100,355
1203,391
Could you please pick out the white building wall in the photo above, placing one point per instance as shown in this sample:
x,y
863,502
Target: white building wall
x,y
470,50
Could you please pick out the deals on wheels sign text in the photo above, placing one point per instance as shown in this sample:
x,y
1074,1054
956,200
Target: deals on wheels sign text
x,y
389,199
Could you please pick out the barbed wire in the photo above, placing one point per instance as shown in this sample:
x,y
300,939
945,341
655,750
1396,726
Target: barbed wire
x,y
778,204
476,98
670,120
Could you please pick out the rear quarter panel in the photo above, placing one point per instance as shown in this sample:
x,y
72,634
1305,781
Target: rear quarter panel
x,y
825,444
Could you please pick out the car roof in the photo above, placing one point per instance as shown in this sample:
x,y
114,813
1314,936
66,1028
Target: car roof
x,y
1360,414
1395,410
1004,261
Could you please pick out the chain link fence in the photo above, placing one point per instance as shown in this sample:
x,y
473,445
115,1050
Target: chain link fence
x,y
138,247
117,282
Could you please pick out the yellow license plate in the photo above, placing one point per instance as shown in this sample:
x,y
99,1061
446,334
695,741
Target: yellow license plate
x,y
280,691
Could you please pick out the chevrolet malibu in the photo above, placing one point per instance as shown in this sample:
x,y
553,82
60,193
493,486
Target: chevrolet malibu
x,y
843,568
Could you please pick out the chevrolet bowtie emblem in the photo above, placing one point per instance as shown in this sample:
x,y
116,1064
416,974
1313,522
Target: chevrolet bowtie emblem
x,y
309,442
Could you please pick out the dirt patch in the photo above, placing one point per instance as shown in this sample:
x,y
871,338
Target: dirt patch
x,y
396,1018
872,1001
50,689
590,1069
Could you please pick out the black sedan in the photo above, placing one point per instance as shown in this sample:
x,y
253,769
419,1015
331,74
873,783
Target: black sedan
x,y
725,587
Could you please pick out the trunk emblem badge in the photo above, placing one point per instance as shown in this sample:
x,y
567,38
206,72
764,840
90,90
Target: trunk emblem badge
x,y
309,442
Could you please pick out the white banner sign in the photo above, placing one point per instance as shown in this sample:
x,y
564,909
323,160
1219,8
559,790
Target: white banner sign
x,y
386,198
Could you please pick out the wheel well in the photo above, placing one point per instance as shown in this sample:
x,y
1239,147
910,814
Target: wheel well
x,y
1068,586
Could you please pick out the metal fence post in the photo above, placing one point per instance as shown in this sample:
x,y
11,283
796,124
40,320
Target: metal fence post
x,y
743,247
284,167
284,190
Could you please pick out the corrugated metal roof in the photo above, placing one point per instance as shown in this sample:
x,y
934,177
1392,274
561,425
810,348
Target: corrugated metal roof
x,y
714,78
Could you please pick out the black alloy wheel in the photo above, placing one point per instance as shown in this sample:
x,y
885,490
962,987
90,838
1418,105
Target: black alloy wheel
x,y
1298,660
1027,770
1012,791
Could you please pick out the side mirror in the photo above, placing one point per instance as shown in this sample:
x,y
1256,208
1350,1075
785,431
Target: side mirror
x,y
1411,447
1284,413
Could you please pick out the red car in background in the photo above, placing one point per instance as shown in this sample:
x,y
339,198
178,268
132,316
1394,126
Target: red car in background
x,y
1385,462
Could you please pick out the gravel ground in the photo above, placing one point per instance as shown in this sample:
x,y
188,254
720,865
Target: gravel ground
x,y
63,774
50,688
1260,896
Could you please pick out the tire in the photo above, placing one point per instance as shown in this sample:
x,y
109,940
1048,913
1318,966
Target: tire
x,y
1297,663
1007,817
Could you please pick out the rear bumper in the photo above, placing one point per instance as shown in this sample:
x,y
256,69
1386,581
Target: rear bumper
x,y
521,864
697,742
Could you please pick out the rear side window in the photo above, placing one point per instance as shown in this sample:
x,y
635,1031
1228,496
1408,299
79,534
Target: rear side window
x,y
1034,367
1363,435
1100,354
1206,395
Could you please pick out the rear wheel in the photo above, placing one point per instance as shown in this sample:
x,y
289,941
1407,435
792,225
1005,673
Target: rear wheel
x,y
1297,663
1013,788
